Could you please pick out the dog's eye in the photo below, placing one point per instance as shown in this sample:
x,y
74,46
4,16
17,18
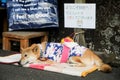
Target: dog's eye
x,y
25,55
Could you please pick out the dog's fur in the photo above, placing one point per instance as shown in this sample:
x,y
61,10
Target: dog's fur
x,y
32,55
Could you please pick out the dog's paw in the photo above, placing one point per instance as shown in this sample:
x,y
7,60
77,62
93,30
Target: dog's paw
x,y
26,65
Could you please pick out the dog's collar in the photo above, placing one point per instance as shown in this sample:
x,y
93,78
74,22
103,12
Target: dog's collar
x,y
41,51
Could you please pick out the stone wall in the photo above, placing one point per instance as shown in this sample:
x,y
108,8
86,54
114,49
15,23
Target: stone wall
x,y
107,32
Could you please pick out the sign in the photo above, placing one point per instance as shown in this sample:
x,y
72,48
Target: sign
x,y
32,14
80,15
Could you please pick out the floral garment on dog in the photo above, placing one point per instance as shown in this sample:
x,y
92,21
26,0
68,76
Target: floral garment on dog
x,y
54,51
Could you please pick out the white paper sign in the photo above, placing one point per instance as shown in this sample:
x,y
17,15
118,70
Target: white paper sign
x,y
80,15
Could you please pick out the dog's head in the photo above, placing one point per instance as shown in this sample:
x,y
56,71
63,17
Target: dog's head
x,y
30,54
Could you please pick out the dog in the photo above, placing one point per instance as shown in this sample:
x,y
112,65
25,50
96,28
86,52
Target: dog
x,y
76,54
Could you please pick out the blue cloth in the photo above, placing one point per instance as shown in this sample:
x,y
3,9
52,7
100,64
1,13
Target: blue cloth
x,y
32,14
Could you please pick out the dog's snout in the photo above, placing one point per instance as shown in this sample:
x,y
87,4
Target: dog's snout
x,y
19,63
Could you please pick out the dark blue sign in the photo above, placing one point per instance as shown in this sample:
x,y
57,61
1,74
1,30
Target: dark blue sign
x,y
3,3
32,14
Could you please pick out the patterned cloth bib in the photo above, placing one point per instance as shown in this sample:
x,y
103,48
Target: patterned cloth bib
x,y
54,51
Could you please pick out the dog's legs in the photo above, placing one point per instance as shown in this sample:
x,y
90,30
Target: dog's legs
x,y
75,61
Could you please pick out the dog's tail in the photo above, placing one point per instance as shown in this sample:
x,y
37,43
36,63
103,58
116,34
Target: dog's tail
x,y
101,65
98,62
105,68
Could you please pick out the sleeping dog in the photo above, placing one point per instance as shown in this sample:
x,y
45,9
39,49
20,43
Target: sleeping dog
x,y
70,52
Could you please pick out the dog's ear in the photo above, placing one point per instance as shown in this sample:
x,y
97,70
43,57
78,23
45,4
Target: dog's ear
x,y
33,45
36,49
21,49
